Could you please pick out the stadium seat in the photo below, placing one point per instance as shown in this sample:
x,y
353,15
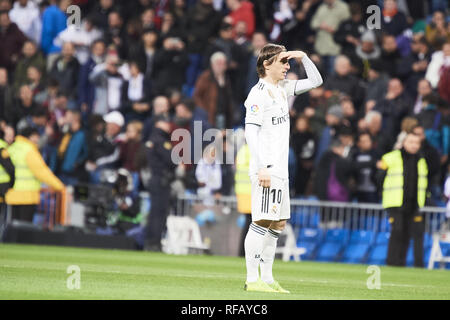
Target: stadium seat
x,y
309,239
379,251
335,241
360,242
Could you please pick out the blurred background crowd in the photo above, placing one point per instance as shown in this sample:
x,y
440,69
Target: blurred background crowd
x,y
100,95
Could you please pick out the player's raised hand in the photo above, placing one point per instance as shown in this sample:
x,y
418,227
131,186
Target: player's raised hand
x,y
295,54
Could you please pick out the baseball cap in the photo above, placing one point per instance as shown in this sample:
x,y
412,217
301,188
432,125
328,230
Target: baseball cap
x,y
114,117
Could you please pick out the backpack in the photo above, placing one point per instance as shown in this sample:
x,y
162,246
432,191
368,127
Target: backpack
x,y
335,190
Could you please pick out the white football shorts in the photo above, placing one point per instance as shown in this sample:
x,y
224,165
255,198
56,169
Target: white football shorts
x,y
270,203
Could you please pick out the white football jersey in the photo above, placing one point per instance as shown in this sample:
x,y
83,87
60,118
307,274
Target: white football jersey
x,y
267,106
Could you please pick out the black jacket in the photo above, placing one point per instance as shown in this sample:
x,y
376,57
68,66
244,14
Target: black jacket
x,y
159,156
6,163
343,171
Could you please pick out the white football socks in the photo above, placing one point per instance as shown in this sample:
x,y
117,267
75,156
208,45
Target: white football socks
x,y
268,254
253,246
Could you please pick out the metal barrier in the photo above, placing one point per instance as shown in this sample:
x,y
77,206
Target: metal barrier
x,y
317,217
53,207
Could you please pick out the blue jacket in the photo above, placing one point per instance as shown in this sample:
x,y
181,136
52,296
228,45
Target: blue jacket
x,y
53,22
76,152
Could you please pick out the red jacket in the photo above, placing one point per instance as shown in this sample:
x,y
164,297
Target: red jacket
x,y
245,13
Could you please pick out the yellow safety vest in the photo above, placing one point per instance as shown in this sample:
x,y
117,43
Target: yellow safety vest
x,y
25,180
393,183
243,185
4,176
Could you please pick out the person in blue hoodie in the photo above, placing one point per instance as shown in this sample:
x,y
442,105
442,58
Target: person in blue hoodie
x,y
72,151
54,20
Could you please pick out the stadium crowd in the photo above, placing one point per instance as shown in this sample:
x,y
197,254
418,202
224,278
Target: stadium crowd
x,y
97,94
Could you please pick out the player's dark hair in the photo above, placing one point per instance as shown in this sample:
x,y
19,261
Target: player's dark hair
x,y
269,53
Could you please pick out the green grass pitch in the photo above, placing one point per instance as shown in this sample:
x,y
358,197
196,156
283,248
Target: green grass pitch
x,y
40,272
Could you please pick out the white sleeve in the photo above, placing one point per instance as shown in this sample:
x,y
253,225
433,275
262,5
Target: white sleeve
x,y
254,105
313,80
252,137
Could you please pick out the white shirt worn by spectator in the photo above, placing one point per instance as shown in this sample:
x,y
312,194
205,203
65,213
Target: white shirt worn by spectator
x,y
211,175
81,38
27,19
433,73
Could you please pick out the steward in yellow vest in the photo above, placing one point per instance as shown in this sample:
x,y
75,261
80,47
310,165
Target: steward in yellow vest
x,y
243,189
404,192
30,172
7,174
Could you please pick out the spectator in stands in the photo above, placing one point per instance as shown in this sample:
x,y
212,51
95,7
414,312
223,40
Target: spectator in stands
x,y
132,148
242,10
169,66
394,106
325,22
160,107
72,151
343,81
377,84
408,124
144,52
316,110
236,59
390,55
439,68
6,93
437,32
333,120
413,67
350,31
203,22
136,95
54,20
333,175
65,70
108,85
100,13
382,139
403,198
86,90
25,13
393,22
213,93
30,57
423,89
104,152
303,144
23,106
82,38
116,34
366,53
209,175
24,196
364,163
12,40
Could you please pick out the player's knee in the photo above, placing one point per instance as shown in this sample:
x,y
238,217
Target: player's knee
x,y
278,225
263,223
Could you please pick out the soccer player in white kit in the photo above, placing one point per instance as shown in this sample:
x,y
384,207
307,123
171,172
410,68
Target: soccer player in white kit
x,y
267,134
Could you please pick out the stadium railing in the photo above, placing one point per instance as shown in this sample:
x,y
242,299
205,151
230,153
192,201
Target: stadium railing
x,y
335,231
